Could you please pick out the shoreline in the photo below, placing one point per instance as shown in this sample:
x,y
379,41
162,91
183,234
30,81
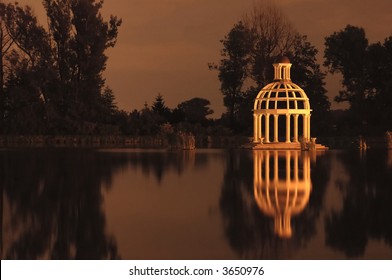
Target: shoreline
x,y
168,142
185,142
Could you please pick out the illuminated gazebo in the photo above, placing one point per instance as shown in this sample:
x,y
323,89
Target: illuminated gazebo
x,y
282,99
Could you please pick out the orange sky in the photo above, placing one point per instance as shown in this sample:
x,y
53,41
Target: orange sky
x,y
164,46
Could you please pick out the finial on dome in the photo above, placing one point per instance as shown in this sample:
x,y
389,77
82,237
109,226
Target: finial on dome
x,y
283,59
282,68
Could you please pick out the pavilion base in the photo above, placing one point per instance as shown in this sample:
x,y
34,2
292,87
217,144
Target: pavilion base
x,y
288,146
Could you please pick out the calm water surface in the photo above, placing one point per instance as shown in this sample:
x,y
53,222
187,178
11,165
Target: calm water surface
x,y
203,204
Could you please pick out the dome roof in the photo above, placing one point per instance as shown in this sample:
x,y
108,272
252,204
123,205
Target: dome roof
x,y
282,96
283,59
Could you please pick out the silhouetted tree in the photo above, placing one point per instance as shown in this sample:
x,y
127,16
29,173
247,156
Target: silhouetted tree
x,y
272,35
5,45
81,37
380,78
108,105
24,68
144,122
58,72
367,74
233,68
345,53
250,49
307,74
150,121
196,110
160,109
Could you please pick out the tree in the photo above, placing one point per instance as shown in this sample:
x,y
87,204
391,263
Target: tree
x,y
233,68
307,74
108,105
345,53
5,44
161,111
150,121
196,110
366,75
81,37
159,106
250,49
60,71
272,35
25,65
381,78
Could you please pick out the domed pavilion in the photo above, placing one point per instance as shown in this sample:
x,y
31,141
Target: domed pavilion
x,y
282,103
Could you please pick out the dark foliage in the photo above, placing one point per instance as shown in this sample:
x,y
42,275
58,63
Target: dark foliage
x,y
52,82
367,78
249,50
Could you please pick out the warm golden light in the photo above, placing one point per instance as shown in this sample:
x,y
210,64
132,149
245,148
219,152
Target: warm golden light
x,y
282,186
281,98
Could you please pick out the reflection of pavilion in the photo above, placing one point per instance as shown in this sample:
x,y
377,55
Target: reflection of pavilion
x,y
282,185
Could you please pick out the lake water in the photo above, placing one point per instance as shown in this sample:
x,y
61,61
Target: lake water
x,y
202,204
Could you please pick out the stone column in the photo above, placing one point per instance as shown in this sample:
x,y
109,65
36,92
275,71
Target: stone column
x,y
255,128
308,130
288,128
267,128
260,128
276,128
296,128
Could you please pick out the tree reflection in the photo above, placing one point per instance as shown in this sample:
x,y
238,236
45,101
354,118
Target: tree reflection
x,y
367,211
252,233
158,163
52,199
52,204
